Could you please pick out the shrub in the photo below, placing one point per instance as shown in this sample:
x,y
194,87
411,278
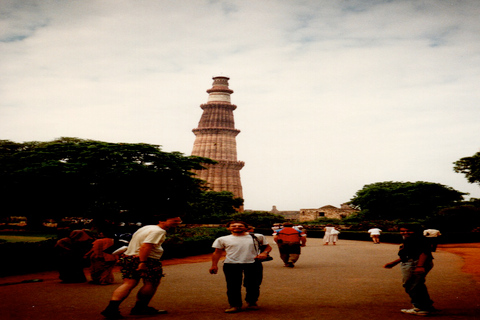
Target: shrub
x,y
27,257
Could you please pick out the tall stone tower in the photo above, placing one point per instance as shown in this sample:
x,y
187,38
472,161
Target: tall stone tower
x,y
215,139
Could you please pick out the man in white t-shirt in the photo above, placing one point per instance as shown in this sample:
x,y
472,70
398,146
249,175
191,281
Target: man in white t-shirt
x,y
243,261
142,261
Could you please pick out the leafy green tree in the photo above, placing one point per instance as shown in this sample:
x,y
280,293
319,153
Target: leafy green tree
x,y
462,218
75,177
404,200
259,219
470,166
213,207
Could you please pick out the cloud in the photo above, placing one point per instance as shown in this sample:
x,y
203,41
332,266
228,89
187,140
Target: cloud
x,y
331,95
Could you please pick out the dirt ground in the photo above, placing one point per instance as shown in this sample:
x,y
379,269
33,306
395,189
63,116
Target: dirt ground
x,y
189,292
470,252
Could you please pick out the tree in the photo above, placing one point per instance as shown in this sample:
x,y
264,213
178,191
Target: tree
x,y
259,219
462,218
75,177
213,207
404,200
470,166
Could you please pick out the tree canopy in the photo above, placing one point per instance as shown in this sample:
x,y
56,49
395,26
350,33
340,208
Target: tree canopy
x,y
404,200
470,166
259,219
213,207
75,177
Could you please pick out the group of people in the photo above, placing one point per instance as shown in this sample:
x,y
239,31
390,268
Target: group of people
x,y
81,248
242,259
244,253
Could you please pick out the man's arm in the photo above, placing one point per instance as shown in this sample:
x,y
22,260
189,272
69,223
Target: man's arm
x,y
392,264
420,265
303,239
215,258
143,254
263,255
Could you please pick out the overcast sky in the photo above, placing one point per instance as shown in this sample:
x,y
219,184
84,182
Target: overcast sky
x,y
331,95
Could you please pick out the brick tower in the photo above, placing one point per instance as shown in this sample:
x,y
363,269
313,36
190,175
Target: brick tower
x,y
215,139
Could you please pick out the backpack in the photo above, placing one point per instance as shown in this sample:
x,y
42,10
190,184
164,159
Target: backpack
x,y
288,234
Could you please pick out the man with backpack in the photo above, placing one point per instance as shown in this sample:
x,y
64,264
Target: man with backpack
x,y
241,265
289,241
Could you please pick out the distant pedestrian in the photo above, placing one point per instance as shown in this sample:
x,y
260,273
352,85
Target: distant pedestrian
x,y
375,235
300,228
70,254
142,261
415,257
242,261
276,226
331,235
432,236
289,241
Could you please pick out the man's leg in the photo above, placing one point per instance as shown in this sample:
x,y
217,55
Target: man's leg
x,y
121,293
151,280
284,255
415,287
252,282
294,257
144,295
233,277
124,290
147,291
294,253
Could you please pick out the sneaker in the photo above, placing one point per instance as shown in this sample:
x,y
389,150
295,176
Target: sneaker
x,y
233,310
431,309
415,312
111,314
289,265
147,311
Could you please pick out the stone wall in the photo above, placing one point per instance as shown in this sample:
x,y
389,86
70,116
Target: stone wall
x,y
328,211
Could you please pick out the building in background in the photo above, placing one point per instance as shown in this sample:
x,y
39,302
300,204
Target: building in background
x,y
215,139
328,211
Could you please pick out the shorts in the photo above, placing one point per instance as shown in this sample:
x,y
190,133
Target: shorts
x,y
289,248
129,264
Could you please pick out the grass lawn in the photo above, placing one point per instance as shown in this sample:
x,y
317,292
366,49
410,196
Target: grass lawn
x,y
25,238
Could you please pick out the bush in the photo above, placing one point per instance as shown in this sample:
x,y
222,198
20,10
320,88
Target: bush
x,y
184,242
27,257
258,219
31,257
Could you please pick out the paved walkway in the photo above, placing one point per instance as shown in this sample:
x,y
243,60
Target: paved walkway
x,y
345,281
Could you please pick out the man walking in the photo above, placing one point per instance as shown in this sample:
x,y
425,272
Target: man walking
x,y
243,261
289,241
415,256
142,261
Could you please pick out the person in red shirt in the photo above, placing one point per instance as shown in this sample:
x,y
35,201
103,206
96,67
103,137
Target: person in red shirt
x,y
289,241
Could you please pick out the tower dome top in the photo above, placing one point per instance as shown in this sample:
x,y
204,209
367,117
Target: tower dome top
x,y
220,86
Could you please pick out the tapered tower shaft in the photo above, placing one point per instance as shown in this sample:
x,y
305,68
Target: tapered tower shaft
x,y
215,139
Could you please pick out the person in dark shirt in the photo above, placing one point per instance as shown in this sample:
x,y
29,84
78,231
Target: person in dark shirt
x,y
416,260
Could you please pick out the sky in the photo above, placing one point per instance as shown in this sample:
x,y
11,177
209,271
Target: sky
x,y
331,95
